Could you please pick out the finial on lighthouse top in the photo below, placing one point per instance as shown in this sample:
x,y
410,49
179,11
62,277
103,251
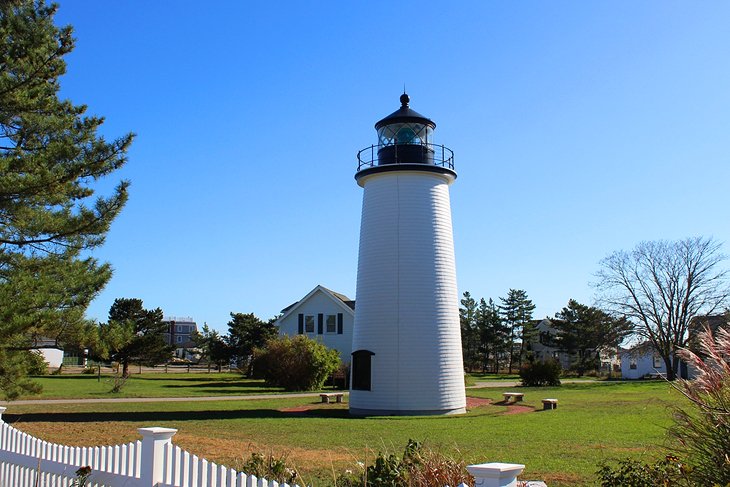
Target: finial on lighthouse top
x,y
404,99
405,114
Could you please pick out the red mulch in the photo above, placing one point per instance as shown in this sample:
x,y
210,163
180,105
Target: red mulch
x,y
296,409
477,402
514,409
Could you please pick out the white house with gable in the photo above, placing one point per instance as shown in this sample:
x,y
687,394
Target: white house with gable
x,y
323,315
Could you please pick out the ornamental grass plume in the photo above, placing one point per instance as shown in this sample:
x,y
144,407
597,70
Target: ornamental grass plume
x,y
703,432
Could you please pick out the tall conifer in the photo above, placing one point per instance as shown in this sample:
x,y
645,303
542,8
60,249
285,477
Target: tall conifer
x,y
50,158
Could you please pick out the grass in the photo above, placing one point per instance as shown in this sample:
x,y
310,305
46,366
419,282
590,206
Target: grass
x,y
489,377
150,385
594,422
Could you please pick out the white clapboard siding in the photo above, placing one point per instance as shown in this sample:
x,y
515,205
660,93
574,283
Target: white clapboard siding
x,y
407,310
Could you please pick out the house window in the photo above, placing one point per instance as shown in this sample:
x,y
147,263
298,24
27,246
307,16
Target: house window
x,y
361,370
179,328
632,363
179,339
331,323
658,362
309,323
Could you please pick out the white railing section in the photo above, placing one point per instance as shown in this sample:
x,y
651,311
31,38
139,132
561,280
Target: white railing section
x,y
26,461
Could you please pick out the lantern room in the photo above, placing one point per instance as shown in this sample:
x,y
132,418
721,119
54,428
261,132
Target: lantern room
x,y
405,139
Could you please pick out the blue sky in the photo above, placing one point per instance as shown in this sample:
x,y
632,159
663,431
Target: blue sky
x,y
579,128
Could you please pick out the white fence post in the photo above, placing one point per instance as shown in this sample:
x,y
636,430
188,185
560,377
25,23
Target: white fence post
x,y
2,410
495,474
154,441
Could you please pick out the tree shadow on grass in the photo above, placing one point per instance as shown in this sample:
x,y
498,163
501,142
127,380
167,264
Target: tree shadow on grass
x,y
229,392
152,417
247,384
202,378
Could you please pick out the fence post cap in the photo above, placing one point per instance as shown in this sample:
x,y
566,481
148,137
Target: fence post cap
x,y
495,469
2,410
157,432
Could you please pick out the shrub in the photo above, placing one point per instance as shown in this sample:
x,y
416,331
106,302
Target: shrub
x,y
270,468
296,364
633,473
417,467
703,433
541,373
36,363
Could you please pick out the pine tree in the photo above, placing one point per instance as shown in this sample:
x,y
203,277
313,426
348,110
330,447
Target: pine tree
x,y
247,332
50,158
493,335
583,331
135,335
212,347
516,310
469,332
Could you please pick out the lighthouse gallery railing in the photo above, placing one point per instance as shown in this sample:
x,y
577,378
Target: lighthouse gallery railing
x,y
442,156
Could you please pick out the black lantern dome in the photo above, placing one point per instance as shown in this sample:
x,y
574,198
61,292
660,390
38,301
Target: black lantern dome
x,y
405,142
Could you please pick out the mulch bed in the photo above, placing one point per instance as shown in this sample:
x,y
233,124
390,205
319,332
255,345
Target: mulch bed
x,y
296,409
477,402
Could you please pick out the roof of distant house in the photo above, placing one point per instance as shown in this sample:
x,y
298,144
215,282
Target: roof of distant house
x,y
349,302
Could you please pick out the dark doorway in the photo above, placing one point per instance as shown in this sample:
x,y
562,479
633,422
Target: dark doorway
x,y
361,365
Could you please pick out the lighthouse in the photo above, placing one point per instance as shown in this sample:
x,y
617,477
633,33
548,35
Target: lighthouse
x,y
406,343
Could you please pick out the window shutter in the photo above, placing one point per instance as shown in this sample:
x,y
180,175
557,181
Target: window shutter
x,y
301,323
339,323
320,323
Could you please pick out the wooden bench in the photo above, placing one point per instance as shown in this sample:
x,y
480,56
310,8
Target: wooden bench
x,y
549,404
327,398
513,396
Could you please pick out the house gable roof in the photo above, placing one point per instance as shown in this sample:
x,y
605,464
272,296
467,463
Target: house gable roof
x,y
341,300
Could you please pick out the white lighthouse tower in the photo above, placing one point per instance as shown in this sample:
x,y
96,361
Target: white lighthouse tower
x,y
406,341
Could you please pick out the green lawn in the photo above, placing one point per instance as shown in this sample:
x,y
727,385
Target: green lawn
x,y
594,422
150,385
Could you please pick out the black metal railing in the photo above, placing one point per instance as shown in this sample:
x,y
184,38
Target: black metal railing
x,y
380,155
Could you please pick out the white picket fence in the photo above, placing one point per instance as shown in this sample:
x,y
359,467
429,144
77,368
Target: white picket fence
x,y
26,461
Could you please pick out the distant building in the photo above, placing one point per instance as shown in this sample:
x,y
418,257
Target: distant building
x,y
544,347
51,352
323,315
643,360
179,334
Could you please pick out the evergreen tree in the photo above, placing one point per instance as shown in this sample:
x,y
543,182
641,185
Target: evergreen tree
x,y
247,332
212,347
493,335
135,335
583,331
516,310
50,157
469,332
